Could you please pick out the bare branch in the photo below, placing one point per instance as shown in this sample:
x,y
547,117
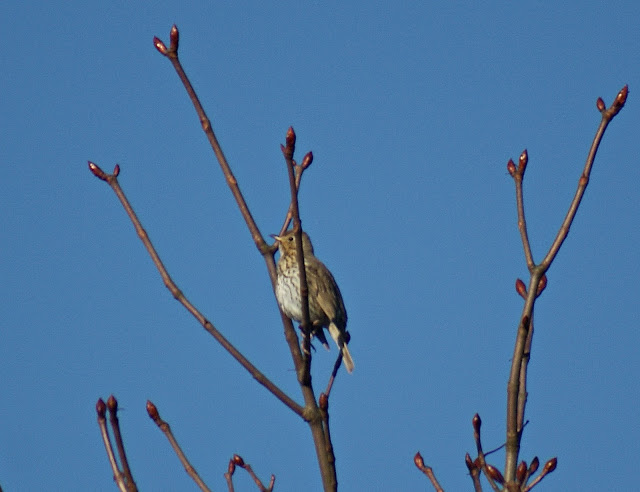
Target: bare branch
x,y
166,429
112,180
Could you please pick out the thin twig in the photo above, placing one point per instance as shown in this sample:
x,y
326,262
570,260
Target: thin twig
x,y
516,387
118,476
428,471
166,429
112,180
112,405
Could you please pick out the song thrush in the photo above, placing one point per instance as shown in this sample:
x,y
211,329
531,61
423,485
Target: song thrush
x,y
326,308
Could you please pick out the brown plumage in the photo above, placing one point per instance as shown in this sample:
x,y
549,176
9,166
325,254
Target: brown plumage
x,y
326,308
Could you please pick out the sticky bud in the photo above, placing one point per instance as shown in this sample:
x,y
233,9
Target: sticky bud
x,y
238,460
323,401
418,460
511,167
101,408
522,162
152,410
291,139
495,474
477,423
469,462
550,465
521,471
600,105
542,285
160,46
521,288
97,172
307,160
174,36
112,404
533,467
621,98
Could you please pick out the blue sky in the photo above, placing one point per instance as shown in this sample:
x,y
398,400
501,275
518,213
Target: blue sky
x,y
412,113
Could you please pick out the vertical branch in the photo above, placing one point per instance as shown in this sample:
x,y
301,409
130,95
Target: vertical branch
x,y
516,386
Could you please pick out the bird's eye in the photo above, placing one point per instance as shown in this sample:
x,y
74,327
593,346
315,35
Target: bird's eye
x,y
290,238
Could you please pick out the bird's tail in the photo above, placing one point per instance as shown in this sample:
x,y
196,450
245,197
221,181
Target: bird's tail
x,y
338,336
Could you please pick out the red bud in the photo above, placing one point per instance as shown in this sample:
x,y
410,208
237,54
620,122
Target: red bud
x,y
467,461
174,36
522,162
521,288
521,471
238,460
533,467
232,467
307,160
101,408
112,404
600,105
418,460
477,423
323,401
152,410
621,98
160,46
542,285
511,167
495,474
550,465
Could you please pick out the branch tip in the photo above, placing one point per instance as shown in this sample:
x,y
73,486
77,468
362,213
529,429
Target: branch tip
x,y
174,36
522,161
550,465
152,411
97,172
101,408
469,462
307,160
112,404
237,459
477,423
621,98
160,46
418,460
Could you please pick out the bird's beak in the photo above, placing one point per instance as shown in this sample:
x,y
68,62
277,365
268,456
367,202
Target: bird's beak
x,y
276,237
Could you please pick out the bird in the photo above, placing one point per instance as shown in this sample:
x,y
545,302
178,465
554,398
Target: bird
x,y
326,307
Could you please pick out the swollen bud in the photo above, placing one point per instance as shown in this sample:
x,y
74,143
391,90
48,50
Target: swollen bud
x,y
101,408
477,423
160,46
600,105
522,162
307,160
621,98
495,474
467,461
542,285
550,465
152,410
174,36
533,467
521,471
521,288
112,404
418,460
323,401
238,460
511,167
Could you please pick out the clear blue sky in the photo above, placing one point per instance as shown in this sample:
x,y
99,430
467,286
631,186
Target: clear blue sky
x,y
412,113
